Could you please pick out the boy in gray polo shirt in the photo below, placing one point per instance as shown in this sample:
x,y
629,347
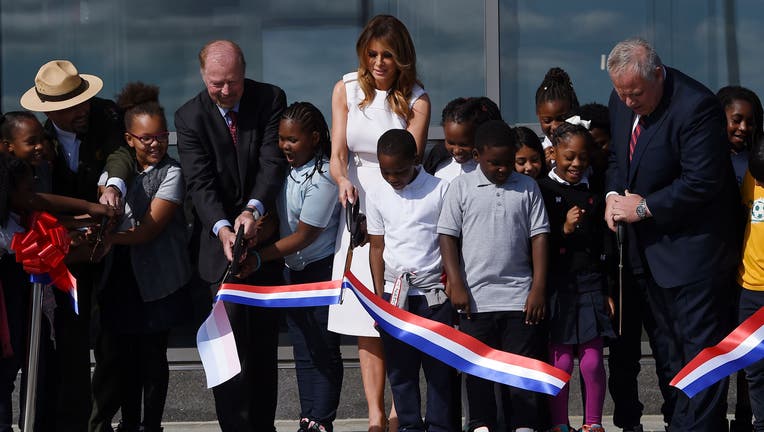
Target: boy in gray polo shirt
x,y
495,220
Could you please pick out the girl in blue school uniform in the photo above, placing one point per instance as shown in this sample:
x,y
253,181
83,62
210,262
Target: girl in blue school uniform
x,y
308,221
579,247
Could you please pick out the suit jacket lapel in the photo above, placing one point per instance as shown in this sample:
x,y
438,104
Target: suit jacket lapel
x,y
653,124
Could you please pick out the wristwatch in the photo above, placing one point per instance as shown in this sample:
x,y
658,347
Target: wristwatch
x,y
642,209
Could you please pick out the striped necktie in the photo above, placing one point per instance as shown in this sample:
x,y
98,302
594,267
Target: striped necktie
x,y
634,137
232,125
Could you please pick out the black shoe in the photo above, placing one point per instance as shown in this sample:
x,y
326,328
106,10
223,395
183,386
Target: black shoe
x,y
637,428
122,427
740,426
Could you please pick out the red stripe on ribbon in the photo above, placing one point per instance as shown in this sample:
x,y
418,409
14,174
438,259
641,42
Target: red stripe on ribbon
x,y
275,289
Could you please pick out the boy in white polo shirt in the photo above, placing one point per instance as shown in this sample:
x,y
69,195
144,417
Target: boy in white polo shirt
x,y
493,237
402,217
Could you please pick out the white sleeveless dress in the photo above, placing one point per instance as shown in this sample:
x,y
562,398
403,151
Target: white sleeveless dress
x,y
364,127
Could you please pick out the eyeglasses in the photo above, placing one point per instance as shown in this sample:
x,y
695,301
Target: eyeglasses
x,y
162,137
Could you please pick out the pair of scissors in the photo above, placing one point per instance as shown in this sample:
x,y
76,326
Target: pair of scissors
x,y
99,237
239,246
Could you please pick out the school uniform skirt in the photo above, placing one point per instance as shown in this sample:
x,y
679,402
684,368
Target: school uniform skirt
x,y
578,309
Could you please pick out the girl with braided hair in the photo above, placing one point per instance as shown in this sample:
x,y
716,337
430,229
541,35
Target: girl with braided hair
x,y
308,220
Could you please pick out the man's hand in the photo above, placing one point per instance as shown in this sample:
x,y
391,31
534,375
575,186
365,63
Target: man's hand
x,y
609,217
457,293
227,239
247,220
625,208
111,196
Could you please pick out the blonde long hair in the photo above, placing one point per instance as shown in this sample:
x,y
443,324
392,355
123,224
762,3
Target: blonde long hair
x,y
389,31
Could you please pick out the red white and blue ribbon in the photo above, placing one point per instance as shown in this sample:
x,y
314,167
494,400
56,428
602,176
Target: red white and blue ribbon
x,y
300,295
42,249
457,349
741,348
217,347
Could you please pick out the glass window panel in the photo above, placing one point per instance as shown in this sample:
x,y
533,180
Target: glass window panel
x,y
302,46
450,44
689,35
536,36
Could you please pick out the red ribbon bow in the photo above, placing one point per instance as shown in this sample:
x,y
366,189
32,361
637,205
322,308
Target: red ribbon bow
x,y
42,250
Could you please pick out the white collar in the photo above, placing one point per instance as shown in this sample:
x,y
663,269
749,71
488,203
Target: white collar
x,y
585,180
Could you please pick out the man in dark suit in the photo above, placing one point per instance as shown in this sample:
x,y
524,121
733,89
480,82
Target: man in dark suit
x,y
228,147
86,131
672,185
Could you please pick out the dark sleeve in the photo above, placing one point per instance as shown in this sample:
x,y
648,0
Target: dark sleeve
x,y
614,179
703,159
108,118
202,183
270,176
119,163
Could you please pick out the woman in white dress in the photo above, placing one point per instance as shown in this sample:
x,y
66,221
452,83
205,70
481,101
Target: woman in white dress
x,y
383,94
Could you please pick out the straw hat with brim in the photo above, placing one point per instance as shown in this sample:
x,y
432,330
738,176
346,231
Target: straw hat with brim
x,y
58,86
